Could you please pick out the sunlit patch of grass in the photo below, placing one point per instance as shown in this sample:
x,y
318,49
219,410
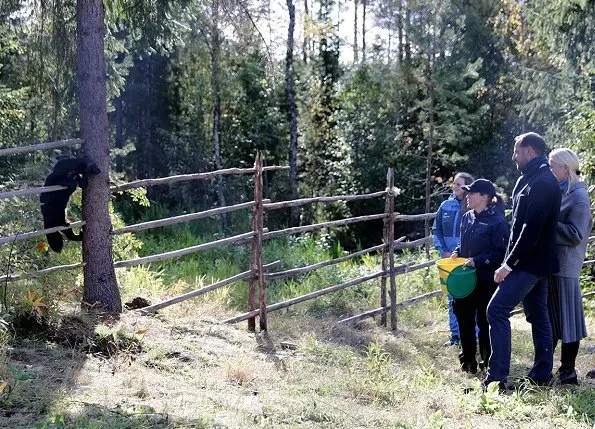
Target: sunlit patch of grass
x,y
239,371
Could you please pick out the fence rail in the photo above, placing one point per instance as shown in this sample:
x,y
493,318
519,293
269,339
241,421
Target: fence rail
x,y
40,146
187,177
258,275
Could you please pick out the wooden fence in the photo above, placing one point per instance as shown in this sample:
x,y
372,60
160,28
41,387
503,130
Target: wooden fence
x,y
259,273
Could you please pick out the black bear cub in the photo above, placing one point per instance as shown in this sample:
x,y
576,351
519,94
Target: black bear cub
x,y
68,172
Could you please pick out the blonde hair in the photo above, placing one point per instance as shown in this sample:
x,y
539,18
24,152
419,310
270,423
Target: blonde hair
x,y
569,158
465,176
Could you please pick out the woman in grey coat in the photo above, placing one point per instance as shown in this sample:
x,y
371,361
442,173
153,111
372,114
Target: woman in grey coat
x,y
565,302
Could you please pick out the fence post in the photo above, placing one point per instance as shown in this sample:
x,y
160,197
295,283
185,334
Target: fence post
x,y
388,233
256,251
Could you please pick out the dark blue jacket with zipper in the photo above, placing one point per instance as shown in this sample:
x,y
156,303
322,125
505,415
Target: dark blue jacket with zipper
x,y
484,237
535,213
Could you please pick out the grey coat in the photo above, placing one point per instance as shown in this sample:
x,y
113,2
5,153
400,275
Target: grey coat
x,y
572,233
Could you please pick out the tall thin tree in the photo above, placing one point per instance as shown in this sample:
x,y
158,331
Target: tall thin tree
x,y
364,11
294,217
100,286
215,82
355,30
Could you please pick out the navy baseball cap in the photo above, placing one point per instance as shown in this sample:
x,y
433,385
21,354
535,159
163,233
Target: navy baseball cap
x,y
483,186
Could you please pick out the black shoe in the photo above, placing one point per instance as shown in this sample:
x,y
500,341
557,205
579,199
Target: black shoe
x,y
591,374
470,367
536,382
501,385
568,377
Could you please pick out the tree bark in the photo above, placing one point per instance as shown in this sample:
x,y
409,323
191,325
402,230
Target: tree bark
x,y
400,29
364,10
431,134
306,43
355,30
217,106
294,214
100,286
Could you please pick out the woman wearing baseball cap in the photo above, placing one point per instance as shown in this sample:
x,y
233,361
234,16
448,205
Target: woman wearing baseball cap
x,y
484,237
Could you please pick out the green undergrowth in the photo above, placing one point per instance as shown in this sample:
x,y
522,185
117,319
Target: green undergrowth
x,y
203,268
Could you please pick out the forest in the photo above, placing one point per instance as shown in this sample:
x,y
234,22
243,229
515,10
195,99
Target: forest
x,y
337,92
427,87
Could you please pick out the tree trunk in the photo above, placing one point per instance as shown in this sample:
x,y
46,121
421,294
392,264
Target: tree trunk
x,y
431,133
355,30
100,286
364,10
306,48
400,30
119,129
407,32
217,107
294,217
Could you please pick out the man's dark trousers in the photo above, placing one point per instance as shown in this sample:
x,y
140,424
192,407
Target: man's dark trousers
x,y
532,291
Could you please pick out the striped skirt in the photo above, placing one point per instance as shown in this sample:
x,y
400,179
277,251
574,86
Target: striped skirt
x,y
565,306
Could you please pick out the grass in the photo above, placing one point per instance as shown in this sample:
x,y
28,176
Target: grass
x,y
181,368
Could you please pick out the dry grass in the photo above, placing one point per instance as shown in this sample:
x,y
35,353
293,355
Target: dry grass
x,y
195,372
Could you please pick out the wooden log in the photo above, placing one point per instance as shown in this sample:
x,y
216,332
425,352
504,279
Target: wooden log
x,y
241,276
31,191
186,177
391,250
308,296
411,268
303,201
411,244
384,310
306,228
303,270
28,235
40,146
258,226
182,218
181,252
407,218
44,272
385,239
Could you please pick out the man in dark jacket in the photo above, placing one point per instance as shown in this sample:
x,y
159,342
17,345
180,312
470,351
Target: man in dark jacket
x,y
530,258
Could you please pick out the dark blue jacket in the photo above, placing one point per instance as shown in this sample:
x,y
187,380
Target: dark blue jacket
x,y
535,212
484,237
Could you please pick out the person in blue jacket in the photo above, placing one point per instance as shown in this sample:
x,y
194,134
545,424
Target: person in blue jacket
x,y
446,233
484,238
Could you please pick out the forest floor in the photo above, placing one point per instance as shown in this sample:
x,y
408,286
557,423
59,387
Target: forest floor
x,y
306,371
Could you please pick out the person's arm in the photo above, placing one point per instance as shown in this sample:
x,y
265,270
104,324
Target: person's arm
x,y
573,231
539,206
437,234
